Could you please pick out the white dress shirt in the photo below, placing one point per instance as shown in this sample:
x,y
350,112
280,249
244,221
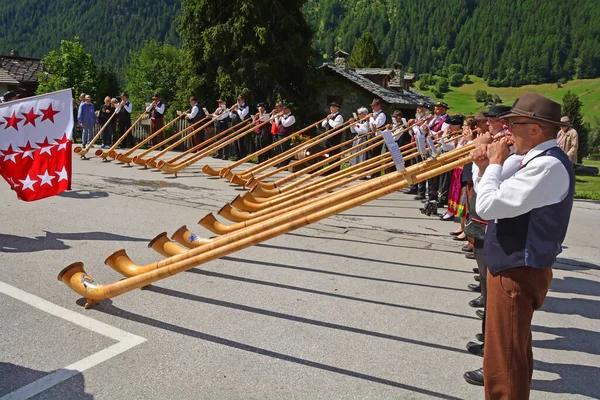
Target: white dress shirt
x,y
286,120
194,112
359,128
334,122
541,182
377,120
159,108
509,168
221,114
242,111
128,107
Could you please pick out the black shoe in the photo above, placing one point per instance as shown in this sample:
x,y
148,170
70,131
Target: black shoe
x,y
470,256
467,249
474,287
480,313
455,233
459,239
477,303
480,337
447,217
420,197
477,278
475,348
476,270
474,377
411,191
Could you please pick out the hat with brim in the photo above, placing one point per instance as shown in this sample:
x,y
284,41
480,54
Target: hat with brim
x,y
442,104
156,96
480,117
288,106
536,107
334,104
221,100
455,120
376,102
263,105
496,111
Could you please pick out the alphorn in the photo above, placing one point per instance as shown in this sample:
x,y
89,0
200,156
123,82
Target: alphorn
x,y
226,171
105,154
124,157
261,189
208,141
329,160
244,177
145,162
175,168
75,277
81,151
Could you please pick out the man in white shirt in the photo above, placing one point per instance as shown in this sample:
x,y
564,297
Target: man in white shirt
x,y
285,128
157,118
358,129
528,215
333,120
378,120
223,119
195,115
238,113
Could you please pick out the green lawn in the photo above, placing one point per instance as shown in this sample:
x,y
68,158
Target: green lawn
x,y
462,99
588,187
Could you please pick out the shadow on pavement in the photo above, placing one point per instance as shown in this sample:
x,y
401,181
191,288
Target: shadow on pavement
x,y
112,310
574,379
54,241
84,194
14,377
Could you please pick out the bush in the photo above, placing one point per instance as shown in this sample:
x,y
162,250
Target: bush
x,y
442,85
456,79
594,136
467,79
480,96
437,93
496,99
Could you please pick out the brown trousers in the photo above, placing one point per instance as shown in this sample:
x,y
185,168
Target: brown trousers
x,y
512,297
156,124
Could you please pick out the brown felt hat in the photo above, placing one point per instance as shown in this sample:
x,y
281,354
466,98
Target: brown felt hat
x,y
536,107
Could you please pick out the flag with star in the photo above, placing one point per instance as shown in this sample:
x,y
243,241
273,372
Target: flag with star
x,y
35,144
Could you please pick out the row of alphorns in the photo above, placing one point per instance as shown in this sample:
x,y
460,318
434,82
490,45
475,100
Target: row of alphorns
x,y
270,209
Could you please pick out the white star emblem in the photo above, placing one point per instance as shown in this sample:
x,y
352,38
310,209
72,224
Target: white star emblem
x,y
46,149
9,157
62,175
28,183
29,153
12,183
62,146
46,179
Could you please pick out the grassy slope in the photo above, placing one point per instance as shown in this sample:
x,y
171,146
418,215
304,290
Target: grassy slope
x,y
462,99
588,187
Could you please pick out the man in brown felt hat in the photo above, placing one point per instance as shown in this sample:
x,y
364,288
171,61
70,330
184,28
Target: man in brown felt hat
x,y
528,215
568,140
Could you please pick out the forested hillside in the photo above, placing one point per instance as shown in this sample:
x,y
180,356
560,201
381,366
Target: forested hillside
x,y
108,29
506,42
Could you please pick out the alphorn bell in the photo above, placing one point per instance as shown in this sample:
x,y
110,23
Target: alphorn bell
x,y
105,154
78,280
81,151
124,157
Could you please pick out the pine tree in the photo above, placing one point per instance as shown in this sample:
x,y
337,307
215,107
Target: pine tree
x,y
365,53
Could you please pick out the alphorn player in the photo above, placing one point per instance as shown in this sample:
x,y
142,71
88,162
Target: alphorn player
x,y
157,118
528,215
196,114
221,115
377,120
421,116
238,113
333,120
264,137
285,127
359,128
277,112
124,113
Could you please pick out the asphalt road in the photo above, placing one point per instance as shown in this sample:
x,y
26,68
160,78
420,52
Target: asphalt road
x,y
371,303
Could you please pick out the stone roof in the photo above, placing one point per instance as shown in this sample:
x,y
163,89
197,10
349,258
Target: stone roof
x,y
384,72
20,69
5,77
406,97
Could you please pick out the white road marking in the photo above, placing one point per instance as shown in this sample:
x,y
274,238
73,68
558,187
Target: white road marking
x,y
125,340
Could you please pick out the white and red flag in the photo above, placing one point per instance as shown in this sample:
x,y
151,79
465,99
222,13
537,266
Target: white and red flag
x,y
35,144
